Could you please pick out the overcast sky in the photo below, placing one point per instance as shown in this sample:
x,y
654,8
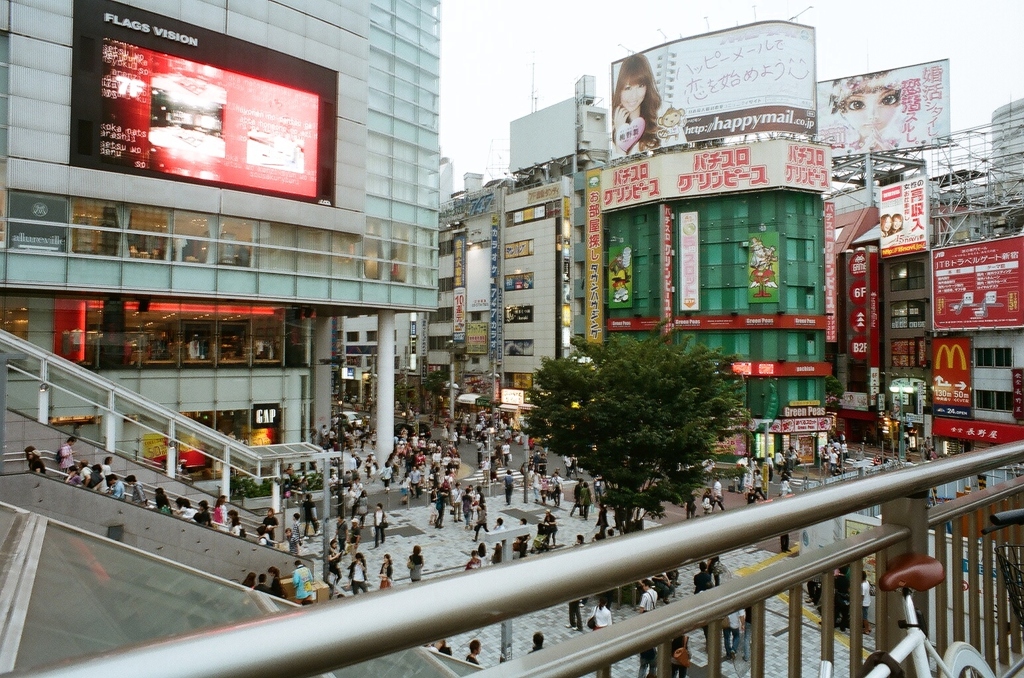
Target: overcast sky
x,y
497,56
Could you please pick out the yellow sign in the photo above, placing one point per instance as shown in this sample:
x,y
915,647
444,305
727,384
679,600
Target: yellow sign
x,y
804,403
476,337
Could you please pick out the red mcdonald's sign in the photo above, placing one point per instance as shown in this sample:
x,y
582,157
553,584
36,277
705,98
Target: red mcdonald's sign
x,y
951,375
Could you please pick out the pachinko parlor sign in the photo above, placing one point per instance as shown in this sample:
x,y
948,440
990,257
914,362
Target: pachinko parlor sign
x,y
768,164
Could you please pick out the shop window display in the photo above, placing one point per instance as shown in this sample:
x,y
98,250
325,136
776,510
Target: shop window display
x,y
102,241
148,238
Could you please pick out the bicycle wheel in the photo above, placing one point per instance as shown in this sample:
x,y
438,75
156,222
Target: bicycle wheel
x,y
966,662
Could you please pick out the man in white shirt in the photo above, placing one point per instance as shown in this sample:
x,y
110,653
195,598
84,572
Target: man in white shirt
x,y
649,598
716,495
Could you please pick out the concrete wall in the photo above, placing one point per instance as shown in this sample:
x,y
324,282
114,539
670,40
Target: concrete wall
x,y
185,542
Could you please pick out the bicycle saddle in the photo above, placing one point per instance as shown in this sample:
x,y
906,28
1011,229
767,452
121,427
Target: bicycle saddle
x,y
912,570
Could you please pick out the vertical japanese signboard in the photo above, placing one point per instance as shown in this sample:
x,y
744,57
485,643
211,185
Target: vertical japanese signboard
x,y
951,376
903,218
1018,393
857,303
593,306
666,267
496,293
459,285
689,261
830,272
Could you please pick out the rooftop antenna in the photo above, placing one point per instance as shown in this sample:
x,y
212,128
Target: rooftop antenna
x,y
706,23
663,34
797,15
533,84
626,48
755,13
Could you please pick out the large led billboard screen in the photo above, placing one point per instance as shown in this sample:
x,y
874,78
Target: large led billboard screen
x,y
885,110
745,80
177,116
161,98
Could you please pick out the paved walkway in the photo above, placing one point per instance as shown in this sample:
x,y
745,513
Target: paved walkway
x,y
447,550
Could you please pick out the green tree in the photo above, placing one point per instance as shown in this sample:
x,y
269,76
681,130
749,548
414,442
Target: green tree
x,y
644,414
833,391
436,384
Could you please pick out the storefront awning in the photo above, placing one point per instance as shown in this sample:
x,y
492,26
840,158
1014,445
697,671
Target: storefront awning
x,y
857,414
982,431
468,398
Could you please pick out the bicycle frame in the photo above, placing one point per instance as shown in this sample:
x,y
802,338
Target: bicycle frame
x,y
916,645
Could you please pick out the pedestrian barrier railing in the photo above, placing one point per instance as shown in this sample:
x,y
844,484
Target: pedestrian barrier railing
x,y
369,626
58,393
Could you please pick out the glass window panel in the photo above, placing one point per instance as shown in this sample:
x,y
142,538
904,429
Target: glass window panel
x,y
371,265
198,337
267,334
103,241
277,253
233,342
233,233
346,252
400,253
192,238
314,260
147,237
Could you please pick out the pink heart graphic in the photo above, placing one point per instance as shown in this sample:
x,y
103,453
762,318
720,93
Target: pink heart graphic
x,y
628,134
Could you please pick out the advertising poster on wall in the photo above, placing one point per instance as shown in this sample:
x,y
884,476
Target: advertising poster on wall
x,y
478,278
885,110
689,261
903,218
763,266
951,376
746,80
620,277
978,285
476,337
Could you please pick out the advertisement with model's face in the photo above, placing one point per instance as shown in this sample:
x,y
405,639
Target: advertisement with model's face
x,y
746,80
885,110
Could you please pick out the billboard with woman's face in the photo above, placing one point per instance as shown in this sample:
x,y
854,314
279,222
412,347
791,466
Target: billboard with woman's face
x,y
886,110
745,80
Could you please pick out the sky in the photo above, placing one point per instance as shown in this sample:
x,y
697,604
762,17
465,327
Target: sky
x,y
502,59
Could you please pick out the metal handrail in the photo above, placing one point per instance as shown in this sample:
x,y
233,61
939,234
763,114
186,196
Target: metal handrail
x,y
372,626
49,361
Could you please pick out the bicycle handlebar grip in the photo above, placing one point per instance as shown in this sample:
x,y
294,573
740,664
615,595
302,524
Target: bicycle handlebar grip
x,y
1007,518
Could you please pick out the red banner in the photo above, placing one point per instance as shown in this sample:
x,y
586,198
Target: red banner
x,y
951,375
987,431
857,303
978,285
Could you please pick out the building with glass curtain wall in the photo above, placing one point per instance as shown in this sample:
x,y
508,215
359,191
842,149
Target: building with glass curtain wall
x,y
192,194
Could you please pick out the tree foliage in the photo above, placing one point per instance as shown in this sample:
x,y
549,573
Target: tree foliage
x,y
436,384
644,414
